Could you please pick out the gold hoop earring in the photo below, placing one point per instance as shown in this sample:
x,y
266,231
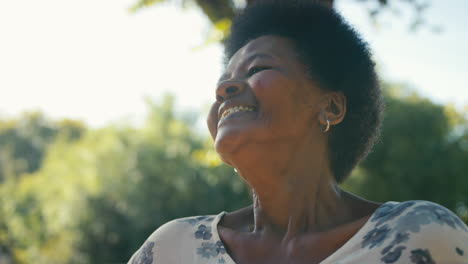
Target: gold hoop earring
x,y
327,128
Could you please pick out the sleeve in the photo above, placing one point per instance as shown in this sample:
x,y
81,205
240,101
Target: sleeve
x,y
439,245
435,235
162,247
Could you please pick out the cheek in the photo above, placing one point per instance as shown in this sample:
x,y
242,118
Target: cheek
x,y
265,84
212,119
273,93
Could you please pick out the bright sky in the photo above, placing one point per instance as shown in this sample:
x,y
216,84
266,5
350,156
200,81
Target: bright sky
x,y
93,60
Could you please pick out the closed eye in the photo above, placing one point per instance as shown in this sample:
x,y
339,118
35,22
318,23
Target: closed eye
x,y
256,69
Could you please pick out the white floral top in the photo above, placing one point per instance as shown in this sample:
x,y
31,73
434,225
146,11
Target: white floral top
x,y
408,232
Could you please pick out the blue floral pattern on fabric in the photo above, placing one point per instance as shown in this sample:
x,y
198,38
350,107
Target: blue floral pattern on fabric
x,y
145,255
428,213
436,214
421,256
388,254
395,233
394,255
389,211
375,237
203,232
210,249
195,220
408,218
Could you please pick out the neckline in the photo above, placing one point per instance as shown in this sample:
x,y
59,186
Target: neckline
x,y
214,228
364,227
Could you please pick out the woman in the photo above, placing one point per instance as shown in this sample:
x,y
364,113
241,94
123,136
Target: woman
x,y
299,105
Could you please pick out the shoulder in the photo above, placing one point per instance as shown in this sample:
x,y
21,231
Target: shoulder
x,y
179,228
417,232
416,214
171,238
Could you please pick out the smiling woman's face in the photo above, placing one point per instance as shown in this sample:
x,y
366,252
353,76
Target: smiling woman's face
x,y
264,97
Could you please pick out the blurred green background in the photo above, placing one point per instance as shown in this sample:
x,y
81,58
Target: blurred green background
x,y
72,193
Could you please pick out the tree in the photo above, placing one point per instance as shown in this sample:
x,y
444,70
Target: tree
x,y
220,11
96,199
23,142
170,174
422,154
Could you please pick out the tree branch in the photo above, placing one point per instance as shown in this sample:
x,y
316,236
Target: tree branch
x,y
217,10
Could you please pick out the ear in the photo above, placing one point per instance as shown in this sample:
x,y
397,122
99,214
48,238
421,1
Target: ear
x,y
333,108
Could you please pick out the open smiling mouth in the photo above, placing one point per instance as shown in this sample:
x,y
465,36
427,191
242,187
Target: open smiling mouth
x,y
236,109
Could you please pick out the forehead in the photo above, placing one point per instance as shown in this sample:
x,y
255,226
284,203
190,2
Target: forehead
x,y
275,46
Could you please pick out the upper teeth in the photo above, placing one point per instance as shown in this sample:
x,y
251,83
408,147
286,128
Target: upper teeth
x,y
236,109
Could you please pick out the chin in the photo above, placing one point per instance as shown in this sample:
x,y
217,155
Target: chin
x,y
226,144
229,141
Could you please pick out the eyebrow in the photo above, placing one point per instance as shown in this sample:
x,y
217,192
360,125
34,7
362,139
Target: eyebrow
x,y
248,60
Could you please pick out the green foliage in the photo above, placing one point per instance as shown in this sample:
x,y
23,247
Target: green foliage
x,y
98,194
144,3
25,222
96,199
215,10
23,142
423,154
164,178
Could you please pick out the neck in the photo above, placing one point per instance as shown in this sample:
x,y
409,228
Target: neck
x,y
295,195
302,207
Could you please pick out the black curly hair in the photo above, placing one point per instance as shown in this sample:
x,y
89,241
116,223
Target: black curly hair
x,y
334,56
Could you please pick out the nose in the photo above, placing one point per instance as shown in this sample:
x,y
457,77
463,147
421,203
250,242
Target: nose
x,y
228,89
